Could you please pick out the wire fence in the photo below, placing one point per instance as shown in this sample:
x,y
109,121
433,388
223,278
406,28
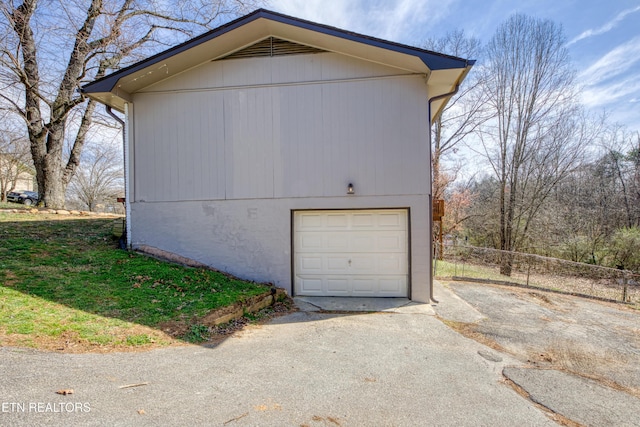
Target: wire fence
x,y
463,262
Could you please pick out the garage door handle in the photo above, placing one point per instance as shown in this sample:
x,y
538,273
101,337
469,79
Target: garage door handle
x,y
349,263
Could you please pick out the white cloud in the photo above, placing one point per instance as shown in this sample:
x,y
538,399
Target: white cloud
x,y
615,92
615,62
404,21
606,27
315,10
619,97
613,83
626,116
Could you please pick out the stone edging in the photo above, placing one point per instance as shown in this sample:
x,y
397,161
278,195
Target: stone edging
x,y
59,212
224,314
237,310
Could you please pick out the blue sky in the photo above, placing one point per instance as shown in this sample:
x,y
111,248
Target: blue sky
x,y
603,36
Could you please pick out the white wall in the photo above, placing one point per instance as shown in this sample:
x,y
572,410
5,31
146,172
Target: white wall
x,y
252,238
219,169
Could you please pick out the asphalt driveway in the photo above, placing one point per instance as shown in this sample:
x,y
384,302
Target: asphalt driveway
x,y
579,357
401,367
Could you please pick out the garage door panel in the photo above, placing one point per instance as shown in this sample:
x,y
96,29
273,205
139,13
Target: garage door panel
x,y
335,241
392,264
391,285
364,264
337,286
364,286
311,221
310,286
392,220
310,264
364,220
372,286
351,241
310,242
351,253
388,243
361,242
351,220
337,220
336,264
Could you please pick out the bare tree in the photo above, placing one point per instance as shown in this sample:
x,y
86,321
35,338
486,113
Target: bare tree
x,y
482,226
48,49
100,177
634,159
536,134
620,148
463,113
15,162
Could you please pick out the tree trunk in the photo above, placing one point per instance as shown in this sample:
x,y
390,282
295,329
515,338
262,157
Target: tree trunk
x,y
506,218
51,183
506,261
54,192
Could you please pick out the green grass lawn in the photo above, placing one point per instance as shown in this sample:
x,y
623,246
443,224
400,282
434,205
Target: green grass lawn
x,y
446,269
63,281
10,205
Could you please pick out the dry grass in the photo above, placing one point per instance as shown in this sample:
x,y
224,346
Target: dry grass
x,y
598,287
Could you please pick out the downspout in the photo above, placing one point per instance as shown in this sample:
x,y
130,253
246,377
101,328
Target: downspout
x,y
435,98
127,215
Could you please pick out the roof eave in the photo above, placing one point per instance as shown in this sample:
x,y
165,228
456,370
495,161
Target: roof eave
x,y
432,60
441,104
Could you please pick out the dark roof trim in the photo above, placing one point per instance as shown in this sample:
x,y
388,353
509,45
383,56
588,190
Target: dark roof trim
x,y
433,60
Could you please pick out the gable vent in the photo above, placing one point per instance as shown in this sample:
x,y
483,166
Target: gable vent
x,y
273,47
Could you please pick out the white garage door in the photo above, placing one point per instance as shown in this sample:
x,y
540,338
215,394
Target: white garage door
x,y
351,253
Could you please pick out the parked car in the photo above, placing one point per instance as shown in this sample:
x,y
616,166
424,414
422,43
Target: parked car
x,y
26,197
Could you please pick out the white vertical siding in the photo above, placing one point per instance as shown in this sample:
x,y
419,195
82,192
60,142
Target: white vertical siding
x,y
277,70
248,143
301,129
179,148
372,132
305,139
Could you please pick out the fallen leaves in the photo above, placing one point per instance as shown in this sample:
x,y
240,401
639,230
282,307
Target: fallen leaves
x,y
332,420
268,407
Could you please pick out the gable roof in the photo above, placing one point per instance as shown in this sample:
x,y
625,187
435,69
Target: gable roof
x,y
444,72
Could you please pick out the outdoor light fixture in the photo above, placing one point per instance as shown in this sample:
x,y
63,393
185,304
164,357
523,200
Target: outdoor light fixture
x,y
350,189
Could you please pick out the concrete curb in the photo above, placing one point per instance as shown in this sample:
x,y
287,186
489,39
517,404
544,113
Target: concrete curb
x,y
171,257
